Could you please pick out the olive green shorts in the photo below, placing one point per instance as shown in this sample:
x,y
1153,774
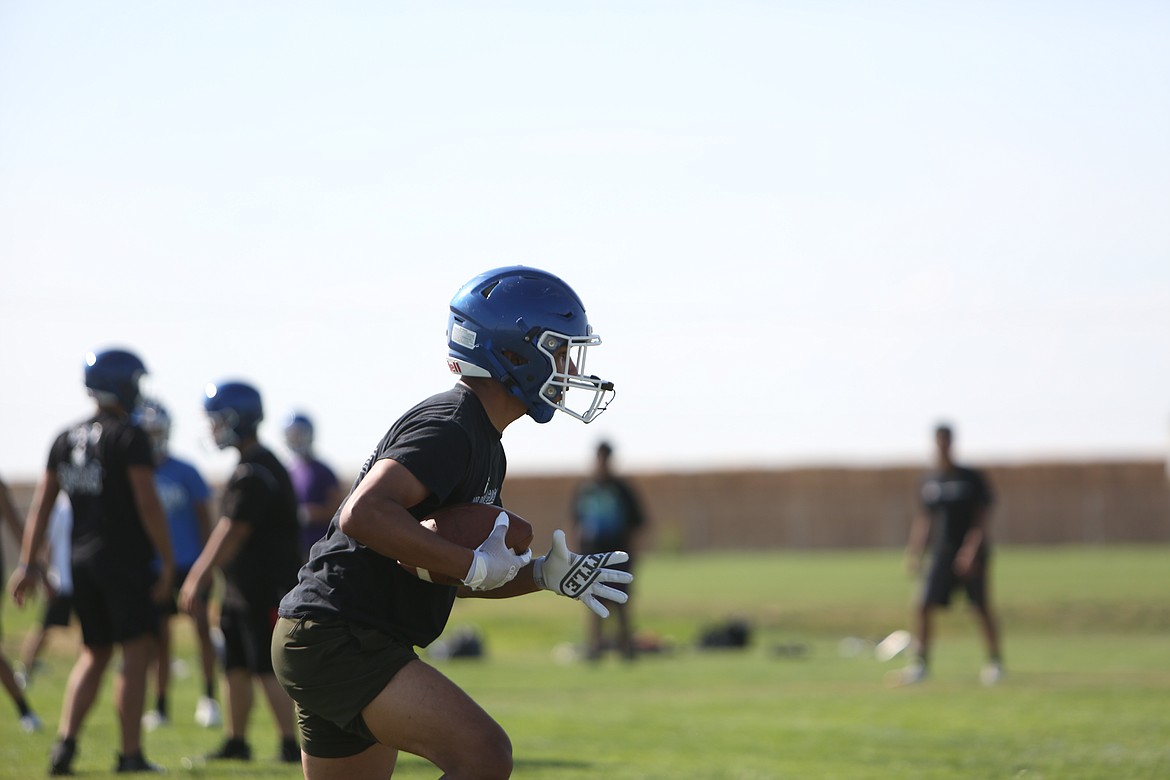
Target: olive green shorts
x,y
332,669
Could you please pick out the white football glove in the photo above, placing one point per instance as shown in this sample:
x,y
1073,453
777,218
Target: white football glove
x,y
581,577
493,563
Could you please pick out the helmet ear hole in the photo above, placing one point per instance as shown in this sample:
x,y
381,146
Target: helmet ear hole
x,y
514,358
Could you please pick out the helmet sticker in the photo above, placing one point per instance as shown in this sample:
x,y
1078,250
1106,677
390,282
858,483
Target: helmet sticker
x,y
462,336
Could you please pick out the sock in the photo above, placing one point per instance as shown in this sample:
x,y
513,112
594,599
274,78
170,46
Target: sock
x,y
209,689
160,704
22,705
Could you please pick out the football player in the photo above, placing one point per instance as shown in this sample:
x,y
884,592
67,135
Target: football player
x,y
955,509
186,500
254,545
105,466
517,340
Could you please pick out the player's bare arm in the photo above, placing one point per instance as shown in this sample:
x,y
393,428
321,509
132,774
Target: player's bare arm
x,y
203,520
154,520
965,559
224,544
27,574
377,515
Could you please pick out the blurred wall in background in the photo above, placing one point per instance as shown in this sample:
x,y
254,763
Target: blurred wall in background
x,y
807,508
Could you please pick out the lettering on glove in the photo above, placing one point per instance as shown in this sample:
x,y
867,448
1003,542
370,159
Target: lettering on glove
x,y
582,572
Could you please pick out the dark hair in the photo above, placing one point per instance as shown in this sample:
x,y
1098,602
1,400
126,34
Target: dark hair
x,y
604,449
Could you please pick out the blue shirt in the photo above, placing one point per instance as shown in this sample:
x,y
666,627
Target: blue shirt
x,y
181,489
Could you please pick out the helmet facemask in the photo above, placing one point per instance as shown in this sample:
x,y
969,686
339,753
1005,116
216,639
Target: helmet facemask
x,y
154,419
298,437
223,428
566,355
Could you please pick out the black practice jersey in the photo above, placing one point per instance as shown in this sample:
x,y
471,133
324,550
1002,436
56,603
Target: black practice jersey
x,y
953,499
450,445
260,494
92,461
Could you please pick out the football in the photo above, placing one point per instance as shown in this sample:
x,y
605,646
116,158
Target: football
x,y
468,525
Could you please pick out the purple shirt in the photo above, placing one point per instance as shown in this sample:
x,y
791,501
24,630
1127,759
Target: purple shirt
x,y
312,482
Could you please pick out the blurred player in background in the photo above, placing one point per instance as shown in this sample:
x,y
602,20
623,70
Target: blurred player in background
x,y
955,510
608,516
185,498
318,491
28,719
344,646
59,584
254,544
105,466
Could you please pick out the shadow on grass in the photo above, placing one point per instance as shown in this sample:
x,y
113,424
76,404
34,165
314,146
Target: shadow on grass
x,y
550,763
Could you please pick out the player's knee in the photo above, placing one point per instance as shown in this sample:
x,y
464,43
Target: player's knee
x,y
488,757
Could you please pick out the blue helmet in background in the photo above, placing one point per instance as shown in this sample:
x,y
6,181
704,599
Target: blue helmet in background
x,y
527,329
235,411
298,434
112,375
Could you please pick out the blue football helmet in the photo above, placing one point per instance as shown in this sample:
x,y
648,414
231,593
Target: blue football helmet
x,y
235,411
298,434
112,375
153,418
527,329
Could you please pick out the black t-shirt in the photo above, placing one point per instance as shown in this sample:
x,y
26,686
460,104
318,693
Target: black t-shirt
x,y
953,499
607,513
92,461
450,445
261,495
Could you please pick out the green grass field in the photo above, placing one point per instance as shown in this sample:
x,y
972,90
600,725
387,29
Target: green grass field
x,y
1087,644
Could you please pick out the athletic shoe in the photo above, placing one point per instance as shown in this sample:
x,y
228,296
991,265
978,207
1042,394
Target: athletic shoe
x,y
290,752
153,720
61,757
207,712
137,763
991,674
236,749
912,674
30,723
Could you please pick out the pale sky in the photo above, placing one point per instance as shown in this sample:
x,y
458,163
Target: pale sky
x,y
805,231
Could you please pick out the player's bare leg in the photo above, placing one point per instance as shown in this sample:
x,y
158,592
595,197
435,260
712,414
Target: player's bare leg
x,y
130,690
377,761
992,673
206,648
31,649
280,704
414,712
82,688
917,670
162,659
625,631
8,679
596,642
238,683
